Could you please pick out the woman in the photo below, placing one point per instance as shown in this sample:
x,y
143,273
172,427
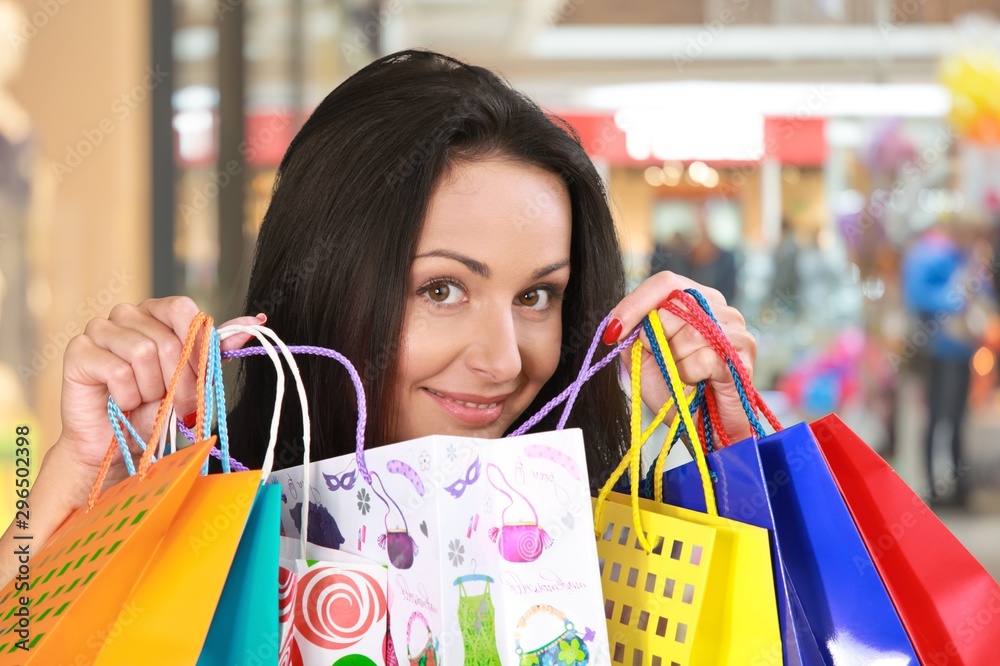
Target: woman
x,y
438,229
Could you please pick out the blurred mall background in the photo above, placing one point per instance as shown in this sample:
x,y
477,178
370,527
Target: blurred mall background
x,y
791,152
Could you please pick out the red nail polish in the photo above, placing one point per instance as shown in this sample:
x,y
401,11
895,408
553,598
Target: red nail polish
x,y
613,331
190,420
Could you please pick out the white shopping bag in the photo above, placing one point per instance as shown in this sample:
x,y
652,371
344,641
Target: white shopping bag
x,y
489,544
331,606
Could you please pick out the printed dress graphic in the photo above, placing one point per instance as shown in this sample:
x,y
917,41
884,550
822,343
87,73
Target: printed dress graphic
x,y
518,541
478,622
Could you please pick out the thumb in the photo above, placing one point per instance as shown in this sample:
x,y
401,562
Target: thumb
x,y
239,339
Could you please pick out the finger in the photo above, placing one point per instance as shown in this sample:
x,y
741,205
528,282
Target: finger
x,y
702,364
99,369
239,339
648,296
137,350
177,313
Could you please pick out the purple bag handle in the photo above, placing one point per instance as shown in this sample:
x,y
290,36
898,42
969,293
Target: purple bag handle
x,y
587,371
355,379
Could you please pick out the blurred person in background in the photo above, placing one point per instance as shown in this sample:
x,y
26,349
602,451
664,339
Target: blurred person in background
x,y
670,255
938,288
786,280
709,264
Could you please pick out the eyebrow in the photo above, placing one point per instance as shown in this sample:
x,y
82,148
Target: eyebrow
x,y
481,269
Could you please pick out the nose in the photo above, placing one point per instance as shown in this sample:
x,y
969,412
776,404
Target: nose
x,y
493,351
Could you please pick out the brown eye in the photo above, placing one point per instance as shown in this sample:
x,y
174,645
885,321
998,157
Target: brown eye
x,y
439,293
529,298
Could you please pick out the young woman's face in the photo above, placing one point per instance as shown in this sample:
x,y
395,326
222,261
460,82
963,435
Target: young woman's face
x,y
483,322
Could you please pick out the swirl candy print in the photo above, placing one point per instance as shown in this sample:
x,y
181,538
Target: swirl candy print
x,y
336,608
287,585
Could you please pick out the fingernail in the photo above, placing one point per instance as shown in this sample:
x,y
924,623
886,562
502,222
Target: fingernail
x,y
190,420
262,318
613,331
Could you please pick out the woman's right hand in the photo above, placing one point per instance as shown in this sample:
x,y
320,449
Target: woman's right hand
x,y
132,356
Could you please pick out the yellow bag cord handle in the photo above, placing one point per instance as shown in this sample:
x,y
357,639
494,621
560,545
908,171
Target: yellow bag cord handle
x,y
684,411
631,461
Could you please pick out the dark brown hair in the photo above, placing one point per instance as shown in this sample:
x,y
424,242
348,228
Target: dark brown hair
x,y
334,252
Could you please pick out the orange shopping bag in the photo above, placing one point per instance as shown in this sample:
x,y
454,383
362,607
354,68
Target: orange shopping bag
x,y
112,582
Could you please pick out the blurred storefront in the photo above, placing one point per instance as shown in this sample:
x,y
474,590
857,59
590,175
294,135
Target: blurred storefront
x,y
799,146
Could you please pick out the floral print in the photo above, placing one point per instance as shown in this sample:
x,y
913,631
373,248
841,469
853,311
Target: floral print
x,y
570,652
456,552
364,502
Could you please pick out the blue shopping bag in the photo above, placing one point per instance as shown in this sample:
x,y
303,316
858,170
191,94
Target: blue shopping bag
x,y
742,494
244,629
782,482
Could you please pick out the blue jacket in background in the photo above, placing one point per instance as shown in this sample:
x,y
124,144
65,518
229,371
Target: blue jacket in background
x,y
933,270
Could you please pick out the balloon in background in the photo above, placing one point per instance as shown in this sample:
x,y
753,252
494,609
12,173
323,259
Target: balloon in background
x,y
973,78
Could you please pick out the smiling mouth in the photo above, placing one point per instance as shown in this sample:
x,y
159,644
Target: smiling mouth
x,y
471,405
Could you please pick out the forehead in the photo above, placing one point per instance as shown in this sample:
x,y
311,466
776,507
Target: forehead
x,y
486,202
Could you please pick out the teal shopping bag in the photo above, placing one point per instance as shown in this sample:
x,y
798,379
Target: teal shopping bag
x,y
244,628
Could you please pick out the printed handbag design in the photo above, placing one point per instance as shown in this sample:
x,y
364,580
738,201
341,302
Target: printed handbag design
x,y
397,542
518,542
568,648
427,655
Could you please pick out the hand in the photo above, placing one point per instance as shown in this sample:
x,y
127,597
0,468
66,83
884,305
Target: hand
x,y
132,355
696,359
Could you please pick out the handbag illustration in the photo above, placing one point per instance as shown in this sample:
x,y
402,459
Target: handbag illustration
x,y
567,648
518,542
427,655
397,542
478,622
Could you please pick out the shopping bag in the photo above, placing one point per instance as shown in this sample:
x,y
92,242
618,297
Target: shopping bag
x,y
332,607
438,508
949,604
681,586
245,627
139,555
848,610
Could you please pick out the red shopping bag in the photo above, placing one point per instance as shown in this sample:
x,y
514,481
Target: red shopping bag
x,y
949,604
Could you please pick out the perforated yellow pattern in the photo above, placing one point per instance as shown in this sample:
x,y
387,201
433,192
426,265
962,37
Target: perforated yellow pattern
x,y
652,602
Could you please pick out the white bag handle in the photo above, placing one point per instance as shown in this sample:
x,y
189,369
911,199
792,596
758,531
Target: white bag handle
x,y
262,333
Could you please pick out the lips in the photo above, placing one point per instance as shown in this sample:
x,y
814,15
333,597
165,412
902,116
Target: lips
x,y
475,410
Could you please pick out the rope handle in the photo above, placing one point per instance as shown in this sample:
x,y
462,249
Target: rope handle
x,y
202,323
705,323
215,399
583,377
668,366
631,461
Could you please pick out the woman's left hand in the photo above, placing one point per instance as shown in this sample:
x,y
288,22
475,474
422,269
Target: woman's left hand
x,y
696,359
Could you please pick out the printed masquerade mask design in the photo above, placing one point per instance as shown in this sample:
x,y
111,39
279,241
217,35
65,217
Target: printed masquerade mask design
x,y
457,489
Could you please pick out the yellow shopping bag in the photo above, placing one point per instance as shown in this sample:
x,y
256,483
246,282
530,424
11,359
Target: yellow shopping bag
x,y
134,576
681,587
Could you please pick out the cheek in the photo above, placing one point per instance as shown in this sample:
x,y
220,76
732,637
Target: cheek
x,y
541,357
